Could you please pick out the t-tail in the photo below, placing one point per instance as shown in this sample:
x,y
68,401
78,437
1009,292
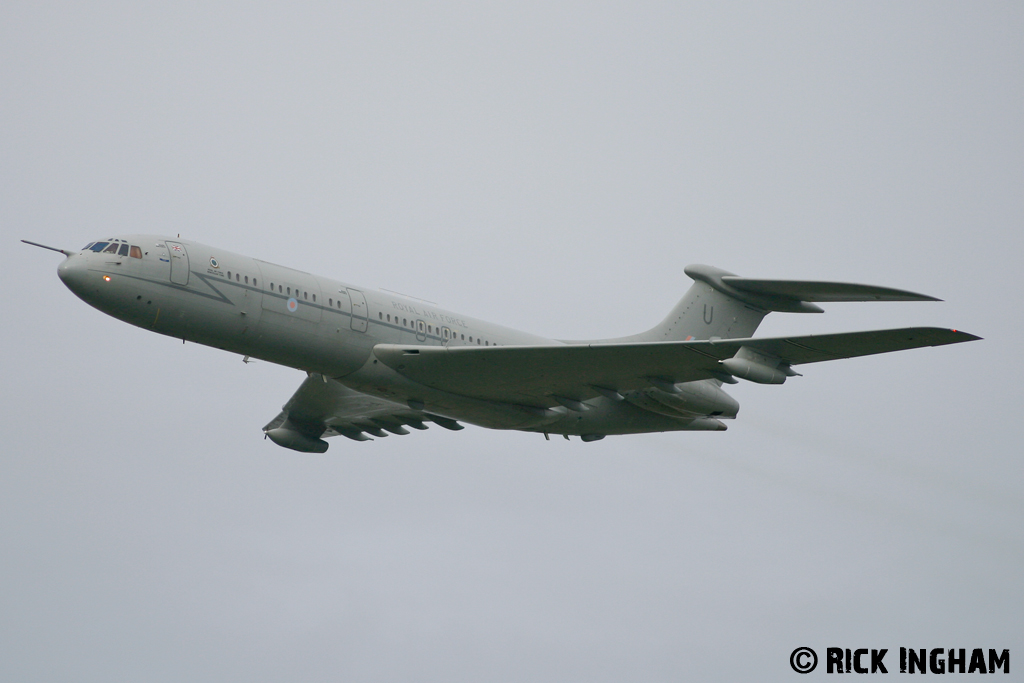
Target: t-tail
x,y
722,305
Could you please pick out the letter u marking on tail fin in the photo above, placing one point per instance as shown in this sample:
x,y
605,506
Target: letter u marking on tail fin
x,y
709,314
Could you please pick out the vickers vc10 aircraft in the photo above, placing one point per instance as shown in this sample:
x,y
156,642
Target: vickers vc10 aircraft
x,y
378,362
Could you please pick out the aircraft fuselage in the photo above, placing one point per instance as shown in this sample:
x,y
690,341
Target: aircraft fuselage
x,y
214,297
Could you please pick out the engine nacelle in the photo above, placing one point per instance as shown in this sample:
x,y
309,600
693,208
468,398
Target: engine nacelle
x,y
297,441
698,398
753,372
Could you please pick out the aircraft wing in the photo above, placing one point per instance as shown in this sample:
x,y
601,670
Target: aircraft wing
x,y
325,409
536,375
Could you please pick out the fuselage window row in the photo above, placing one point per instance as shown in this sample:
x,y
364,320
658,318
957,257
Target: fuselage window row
x,y
238,278
445,333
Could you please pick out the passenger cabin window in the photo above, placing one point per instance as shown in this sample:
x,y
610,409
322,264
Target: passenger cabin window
x,y
246,279
136,252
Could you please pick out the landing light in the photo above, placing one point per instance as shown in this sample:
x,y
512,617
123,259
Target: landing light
x,y
106,278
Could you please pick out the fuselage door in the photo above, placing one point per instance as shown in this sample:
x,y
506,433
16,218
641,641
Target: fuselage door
x,y
179,263
360,314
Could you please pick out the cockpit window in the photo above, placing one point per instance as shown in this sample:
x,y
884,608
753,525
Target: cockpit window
x,y
123,251
86,247
136,252
112,249
98,246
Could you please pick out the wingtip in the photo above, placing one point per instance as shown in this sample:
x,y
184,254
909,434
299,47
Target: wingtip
x,y
967,336
907,295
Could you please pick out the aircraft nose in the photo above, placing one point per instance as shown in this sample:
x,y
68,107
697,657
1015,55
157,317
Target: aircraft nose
x,y
73,273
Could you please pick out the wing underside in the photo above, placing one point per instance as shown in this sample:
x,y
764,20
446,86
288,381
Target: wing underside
x,y
322,407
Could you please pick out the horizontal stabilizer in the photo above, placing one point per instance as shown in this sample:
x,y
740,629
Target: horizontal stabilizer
x,y
795,296
810,290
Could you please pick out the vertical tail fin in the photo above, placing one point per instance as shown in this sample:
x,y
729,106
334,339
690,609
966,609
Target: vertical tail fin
x,y
706,311
721,304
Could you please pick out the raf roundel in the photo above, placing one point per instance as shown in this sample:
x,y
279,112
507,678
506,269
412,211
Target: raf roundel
x,y
213,263
293,305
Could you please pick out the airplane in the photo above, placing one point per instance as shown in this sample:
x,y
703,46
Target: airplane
x,y
378,363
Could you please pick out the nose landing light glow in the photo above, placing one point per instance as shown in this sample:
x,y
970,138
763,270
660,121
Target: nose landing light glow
x,y
106,278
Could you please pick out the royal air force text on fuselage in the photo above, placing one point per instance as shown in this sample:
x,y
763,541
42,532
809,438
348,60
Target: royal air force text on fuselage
x,y
912,660
426,313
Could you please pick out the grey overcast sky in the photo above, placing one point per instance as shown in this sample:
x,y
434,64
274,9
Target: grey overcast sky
x,y
552,167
